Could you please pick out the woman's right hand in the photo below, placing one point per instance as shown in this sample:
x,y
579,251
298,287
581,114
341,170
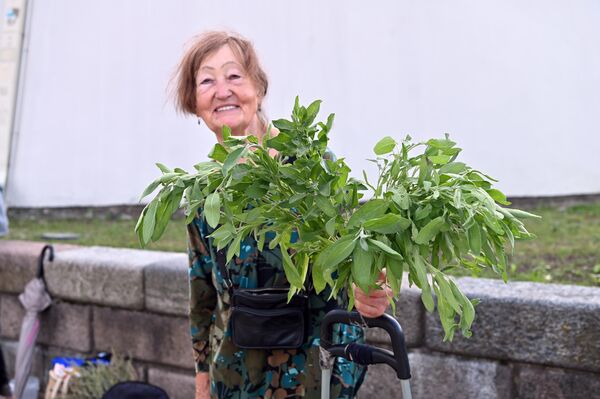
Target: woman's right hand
x,y
202,386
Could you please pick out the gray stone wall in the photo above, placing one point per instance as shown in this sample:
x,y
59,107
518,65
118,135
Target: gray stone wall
x,y
529,340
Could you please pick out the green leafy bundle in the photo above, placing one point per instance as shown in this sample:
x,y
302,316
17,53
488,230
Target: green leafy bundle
x,y
94,380
427,213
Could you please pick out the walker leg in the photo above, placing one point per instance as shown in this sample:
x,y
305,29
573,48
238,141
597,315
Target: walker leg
x,y
325,383
405,386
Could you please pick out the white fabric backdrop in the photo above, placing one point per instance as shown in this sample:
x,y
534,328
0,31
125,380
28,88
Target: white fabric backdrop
x,y
516,84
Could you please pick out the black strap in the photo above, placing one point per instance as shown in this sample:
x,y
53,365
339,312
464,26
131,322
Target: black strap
x,y
228,283
222,262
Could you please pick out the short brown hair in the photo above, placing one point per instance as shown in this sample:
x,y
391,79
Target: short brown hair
x,y
202,46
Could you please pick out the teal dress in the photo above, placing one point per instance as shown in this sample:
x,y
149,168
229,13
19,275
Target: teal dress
x,y
250,373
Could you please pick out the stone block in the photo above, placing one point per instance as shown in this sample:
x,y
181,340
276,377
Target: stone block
x,y
179,385
380,382
166,284
18,263
554,383
38,367
446,376
101,275
547,324
144,336
11,316
63,324
410,314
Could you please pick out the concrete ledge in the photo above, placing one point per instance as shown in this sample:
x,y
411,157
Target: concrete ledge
x,y
18,263
145,336
547,324
167,287
62,324
100,275
179,385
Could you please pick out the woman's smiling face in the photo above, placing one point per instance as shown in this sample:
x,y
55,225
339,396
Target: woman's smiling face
x,y
225,94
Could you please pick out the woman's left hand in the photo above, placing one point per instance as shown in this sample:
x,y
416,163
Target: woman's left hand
x,y
376,302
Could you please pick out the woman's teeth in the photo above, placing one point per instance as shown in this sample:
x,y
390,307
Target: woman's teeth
x,y
226,108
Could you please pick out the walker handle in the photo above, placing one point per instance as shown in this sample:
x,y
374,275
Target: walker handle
x,y
398,359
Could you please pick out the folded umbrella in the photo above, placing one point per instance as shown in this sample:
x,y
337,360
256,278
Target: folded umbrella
x,y
35,299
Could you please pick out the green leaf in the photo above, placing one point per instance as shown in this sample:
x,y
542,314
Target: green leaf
x,y
256,191
430,230
522,214
338,251
361,267
232,159
296,197
291,272
440,159
324,204
212,209
218,153
384,146
284,125
385,248
395,270
421,272
447,293
223,235
235,246
453,168
422,212
149,221
151,187
370,210
163,168
388,224
468,309
475,239
138,226
330,226
401,197
395,266
498,196
279,142
312,111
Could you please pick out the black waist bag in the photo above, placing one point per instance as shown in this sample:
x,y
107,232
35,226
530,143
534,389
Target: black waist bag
x,y
262,318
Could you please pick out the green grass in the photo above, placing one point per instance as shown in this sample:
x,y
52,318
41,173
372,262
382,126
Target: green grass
x,y
110,233
566,250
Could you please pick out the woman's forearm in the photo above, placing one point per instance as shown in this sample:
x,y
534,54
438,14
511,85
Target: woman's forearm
x,y
202,386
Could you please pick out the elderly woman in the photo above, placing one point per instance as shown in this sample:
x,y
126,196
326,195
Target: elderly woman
x,y
220,81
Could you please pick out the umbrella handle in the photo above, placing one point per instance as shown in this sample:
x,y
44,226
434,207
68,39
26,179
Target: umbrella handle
x,y
40,269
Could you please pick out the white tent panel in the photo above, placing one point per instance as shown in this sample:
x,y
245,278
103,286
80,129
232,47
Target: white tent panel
x,y
516,84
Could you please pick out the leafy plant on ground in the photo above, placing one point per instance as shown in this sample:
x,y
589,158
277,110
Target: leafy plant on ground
x,y
95,379
428,212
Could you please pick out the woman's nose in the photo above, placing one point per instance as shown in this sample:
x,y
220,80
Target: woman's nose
x,y
223,90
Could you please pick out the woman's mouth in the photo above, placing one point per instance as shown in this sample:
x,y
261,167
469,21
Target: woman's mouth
x,y
226,108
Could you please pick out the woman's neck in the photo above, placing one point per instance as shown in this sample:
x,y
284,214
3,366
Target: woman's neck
x,y
255,128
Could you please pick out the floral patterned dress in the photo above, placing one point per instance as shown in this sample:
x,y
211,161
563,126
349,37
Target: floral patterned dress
x,y
251,373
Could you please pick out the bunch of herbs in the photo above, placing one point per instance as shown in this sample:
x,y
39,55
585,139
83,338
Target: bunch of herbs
x,y
427,212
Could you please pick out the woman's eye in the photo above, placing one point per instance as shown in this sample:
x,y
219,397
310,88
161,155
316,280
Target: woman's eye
x,y
234,76
206,81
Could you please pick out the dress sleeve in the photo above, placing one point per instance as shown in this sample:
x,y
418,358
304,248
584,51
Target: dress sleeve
x,y
203,296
